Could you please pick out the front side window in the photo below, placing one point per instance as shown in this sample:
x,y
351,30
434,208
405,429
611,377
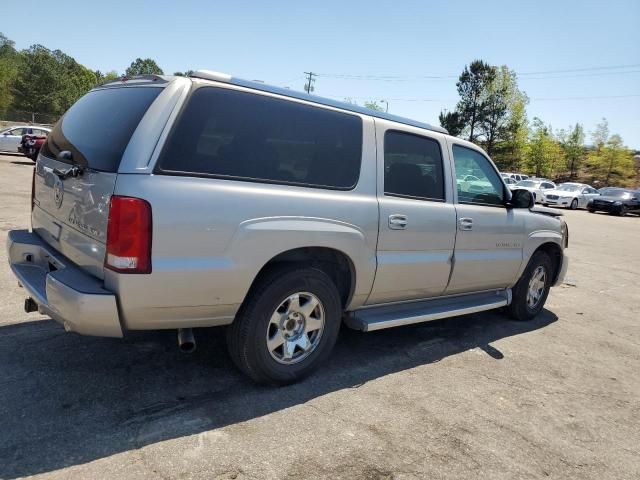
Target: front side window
x,y
488,189
412,166
17,131
245,136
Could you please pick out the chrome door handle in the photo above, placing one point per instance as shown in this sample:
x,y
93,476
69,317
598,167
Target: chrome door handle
x,y
397,222
465,223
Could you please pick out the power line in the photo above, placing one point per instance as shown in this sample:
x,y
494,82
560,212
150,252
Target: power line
x,y
579,72
535,99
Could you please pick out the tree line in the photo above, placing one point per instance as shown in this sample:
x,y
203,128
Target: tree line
x,y
47,82
492,112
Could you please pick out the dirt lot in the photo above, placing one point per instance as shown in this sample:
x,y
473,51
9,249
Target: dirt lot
x,y
471,397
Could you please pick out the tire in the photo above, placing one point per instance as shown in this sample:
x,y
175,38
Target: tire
x,y
521,308
545,204
623,211
574,204
591,211
271,309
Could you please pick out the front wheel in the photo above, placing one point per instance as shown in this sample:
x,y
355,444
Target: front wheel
x,y
574,204
531,291
287,326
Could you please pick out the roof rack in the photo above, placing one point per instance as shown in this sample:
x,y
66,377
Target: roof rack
x,y
225,78
135,79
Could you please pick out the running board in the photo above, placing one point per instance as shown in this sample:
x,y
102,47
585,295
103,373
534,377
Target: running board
x,y
369,319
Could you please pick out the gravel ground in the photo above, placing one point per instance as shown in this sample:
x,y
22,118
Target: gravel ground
x,y
478,396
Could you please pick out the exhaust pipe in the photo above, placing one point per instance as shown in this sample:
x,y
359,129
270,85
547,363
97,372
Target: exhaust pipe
x,y
30,305
186,340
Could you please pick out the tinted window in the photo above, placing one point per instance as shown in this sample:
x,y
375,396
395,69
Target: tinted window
x,y
247,136
412,166
547,185
98,127
17,131
488,189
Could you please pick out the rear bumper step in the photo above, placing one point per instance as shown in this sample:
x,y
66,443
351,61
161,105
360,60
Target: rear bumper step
x,y
60,289
377,318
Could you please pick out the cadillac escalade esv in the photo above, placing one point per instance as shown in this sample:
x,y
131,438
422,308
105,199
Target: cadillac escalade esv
x,y
173,203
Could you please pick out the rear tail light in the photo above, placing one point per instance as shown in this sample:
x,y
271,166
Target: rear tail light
x,y
129,235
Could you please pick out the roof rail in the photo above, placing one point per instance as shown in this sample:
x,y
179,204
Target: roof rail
x,y
226,78
135,79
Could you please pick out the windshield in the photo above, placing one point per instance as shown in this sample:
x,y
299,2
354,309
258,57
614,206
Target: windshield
x,y
527,183
569,188
617,193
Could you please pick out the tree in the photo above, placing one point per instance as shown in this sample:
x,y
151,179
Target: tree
x,y
611,163
143,67
573,146
106,77
9,62
472,85
496,104
452,122
374,106
186,73
544,153
49,81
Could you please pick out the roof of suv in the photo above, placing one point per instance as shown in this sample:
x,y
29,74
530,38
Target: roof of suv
x,y
221,77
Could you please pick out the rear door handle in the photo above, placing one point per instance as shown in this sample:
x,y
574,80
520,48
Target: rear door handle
x,y
398,222
465,223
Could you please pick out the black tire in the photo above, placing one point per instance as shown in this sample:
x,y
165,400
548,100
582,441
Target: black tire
x,y
623,211
545,204
246,336
519,308
591,211
574,204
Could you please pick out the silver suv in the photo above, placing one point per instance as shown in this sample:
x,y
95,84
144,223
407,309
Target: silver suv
x,y
174,203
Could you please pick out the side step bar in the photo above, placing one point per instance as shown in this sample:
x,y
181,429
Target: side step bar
x,y
369,319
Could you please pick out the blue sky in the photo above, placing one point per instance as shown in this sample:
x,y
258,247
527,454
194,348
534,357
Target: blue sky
x,y
278,41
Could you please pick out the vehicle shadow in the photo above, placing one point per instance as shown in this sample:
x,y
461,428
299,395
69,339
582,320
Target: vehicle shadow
x,y
67,399
28,164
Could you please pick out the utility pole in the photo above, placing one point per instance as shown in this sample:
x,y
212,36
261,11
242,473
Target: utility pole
x,y
308,87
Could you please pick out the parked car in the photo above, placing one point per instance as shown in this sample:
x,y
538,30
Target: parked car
x,y
274,213
516,176
537,187
471,183
11,137
509,181
616,201
571,195
30,145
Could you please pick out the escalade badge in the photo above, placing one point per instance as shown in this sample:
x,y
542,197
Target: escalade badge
x,y
58,191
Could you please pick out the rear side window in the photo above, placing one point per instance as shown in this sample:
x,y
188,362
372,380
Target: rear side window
x,y
98,127
412,166
245,136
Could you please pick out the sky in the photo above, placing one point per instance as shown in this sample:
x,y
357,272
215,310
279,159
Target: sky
x,y
588,52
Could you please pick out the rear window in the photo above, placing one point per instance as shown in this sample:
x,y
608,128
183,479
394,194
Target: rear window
x,y
244,136
98,127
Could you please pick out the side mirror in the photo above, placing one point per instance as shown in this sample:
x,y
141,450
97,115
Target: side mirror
x,y
521,198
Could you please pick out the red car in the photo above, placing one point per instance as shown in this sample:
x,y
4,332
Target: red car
x,y
30,145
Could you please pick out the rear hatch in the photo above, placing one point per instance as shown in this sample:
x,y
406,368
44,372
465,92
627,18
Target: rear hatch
x,y
71,212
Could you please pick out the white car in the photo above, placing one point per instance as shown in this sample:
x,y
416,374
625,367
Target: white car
x,y
571,195
537,187
516,176
10,137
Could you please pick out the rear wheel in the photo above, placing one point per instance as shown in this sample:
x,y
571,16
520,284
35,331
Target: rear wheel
x,y
592,210
531,291
287,326
574,204
623,211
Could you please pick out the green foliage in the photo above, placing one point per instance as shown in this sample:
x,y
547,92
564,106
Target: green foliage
x,y
9,62
50,81
452,122
472,86
610,163
545,156
574,150
186,73
145,66
374,106
106,77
